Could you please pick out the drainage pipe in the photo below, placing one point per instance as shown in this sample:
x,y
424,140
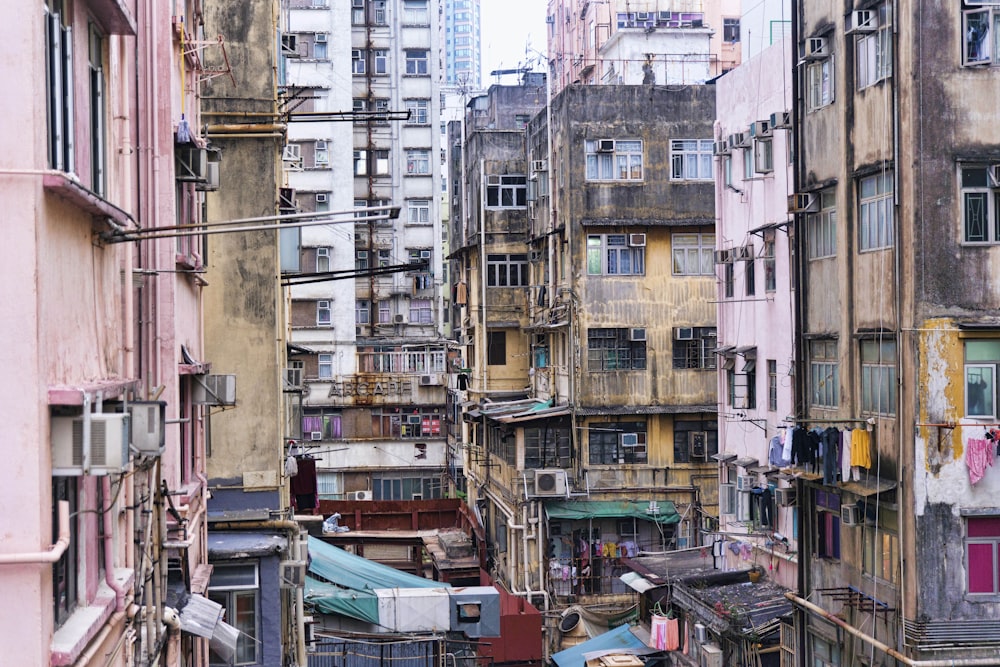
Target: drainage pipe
x,y
54,552
891,652
109,544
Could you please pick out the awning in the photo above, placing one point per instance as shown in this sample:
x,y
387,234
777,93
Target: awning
x,y
724,457
199,616
869,487
637,582
712,409
620,640
747,461
575,510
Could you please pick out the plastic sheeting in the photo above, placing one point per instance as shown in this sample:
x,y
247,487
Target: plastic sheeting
x,y
601,509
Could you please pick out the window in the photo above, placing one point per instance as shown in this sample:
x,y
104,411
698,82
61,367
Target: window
x,y
728,279
611,254
420,311
324,366
875,226
357,12
322,420
744,383
749,275
824,374
827,524
727,170
380,162
772,385
59,85
821,227
235,587
980,204
730,30
418,162
696,351
405,486
358,63
878,377
361,260
819,83
97,124
693,254
981,554
613,350
616,160
416,61
617,443
360,163
415,12
507,270
825,653
380,61
66,569
980,28
506,191
418,111
324,314
384,312
763,156
874,50
691,160
982,358
547,447
322,260
695,440
770,267
418,212
321,153
496,348
319,47
880,547
362,311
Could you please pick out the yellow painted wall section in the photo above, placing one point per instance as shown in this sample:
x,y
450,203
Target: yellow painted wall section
x,y
941,395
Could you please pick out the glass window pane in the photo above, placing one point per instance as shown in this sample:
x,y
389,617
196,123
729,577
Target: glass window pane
x,y
982,350
982,568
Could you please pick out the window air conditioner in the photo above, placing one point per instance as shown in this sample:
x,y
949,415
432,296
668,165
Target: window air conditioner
x,y
321,37
109,437
211,182
630,439
293,574
803,202
147,421
606,146
781,120
683,333
637,240
315,435
760,128
190,163
289,46
711,655
816,48
745,483
637,334
643,16
700,633
697,441
322,197
321,144
723,256
744,252
550,482
851,515
539,165
862,20
493,179
214,390
720,148
784,497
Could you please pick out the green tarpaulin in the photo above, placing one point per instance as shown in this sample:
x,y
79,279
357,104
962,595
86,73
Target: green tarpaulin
x,y
571,510
355,580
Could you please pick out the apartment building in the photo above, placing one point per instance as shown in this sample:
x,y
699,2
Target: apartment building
x,y
103,332
367,302
630,42
895,201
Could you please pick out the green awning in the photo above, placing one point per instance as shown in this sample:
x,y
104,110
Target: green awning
x,y
664,510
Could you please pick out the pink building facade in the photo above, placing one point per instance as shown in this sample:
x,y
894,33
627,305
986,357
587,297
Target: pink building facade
x,y
102,336
755,311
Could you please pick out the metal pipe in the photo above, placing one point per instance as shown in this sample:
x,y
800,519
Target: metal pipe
x,y
957,662
54,552
252,129
109,543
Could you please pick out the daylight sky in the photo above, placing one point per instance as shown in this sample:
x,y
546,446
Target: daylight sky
x,y
507,25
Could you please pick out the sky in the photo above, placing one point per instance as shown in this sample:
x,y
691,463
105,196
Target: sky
x,y
507,25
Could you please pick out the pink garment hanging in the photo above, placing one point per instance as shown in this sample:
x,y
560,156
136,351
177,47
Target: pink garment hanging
x,y
658,632
673,634
978,455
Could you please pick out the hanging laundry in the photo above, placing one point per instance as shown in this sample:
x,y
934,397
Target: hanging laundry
x,y
861,442
786,446
673,634
845,455
304,492
978,455
658,632
831,445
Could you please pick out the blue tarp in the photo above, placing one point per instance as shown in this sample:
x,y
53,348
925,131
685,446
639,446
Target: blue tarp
x,y
619,638
355,580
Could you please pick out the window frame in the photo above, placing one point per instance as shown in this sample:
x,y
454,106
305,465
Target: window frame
x,y
876,212
419,111
59,87
873,51
611,255
822,245
324,313
829,542
986,524
820,90
609,349
418,162
421,311
987,38
605,447
825,393
507,270
685,153
704,249
770,262
508,191
983,361
986,188
324,366
246,642
763,156
698,353
417,62
878,371
418,212
772,385
606,166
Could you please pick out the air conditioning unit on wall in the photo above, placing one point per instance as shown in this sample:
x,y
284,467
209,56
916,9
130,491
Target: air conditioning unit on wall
x,y
852,515
360,495
292,574
550,482
147,425
109,438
